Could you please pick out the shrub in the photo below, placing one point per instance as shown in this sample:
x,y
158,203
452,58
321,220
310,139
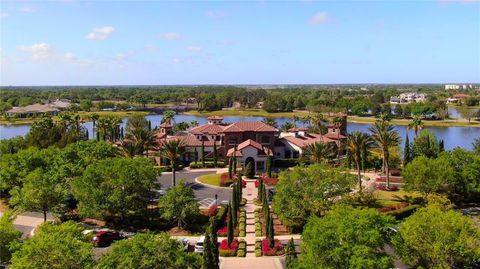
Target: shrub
x,y
383,187
220,217
258,248
258,253
228,251
243,202
241,253
272,181
208,164
275,251
285,163
393,207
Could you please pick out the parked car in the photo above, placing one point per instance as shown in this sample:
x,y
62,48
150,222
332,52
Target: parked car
x,y
199,245
105,238
156,195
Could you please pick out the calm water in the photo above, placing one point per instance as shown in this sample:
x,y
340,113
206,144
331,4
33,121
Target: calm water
x,y
452,136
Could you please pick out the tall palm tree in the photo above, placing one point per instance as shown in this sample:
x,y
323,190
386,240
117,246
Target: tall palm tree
x,y
94,118
114,127
103,127
385,137
287,125
338,122
173,150
168,116
416,124
317,120
194,123
319,152
357,143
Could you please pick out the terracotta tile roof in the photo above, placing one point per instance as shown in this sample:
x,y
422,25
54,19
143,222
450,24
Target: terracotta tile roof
x,y
246,126
302,141
334,136
207,129
261,150
191,141
237,153
298,129
166,125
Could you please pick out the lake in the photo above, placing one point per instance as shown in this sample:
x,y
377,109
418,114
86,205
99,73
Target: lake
x,y
452,136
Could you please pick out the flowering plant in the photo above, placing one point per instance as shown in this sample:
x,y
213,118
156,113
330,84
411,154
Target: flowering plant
x,y
233,245
276,250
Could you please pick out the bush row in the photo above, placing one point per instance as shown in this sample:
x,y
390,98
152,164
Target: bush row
x,y
242,223
258,248
242,248
258,225
220,164
402,213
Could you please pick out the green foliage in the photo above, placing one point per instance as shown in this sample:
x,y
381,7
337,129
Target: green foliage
x,y
304,192
46,132
117,186
54,247
290,254
426,144
268,167
230,227
12,145
8,236
249,170
476,145
407,152
270,231
207,164
173,150
319,152
149,251
427,175
210,248
179,204
345,238
435,238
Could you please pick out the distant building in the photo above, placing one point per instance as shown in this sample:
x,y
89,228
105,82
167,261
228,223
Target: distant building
x,y
259,105
452,87
407,98
457,99
60,104
32,110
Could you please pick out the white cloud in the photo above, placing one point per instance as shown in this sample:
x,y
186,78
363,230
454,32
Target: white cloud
x,y
194,49
171,36
319,18
3,15
39,51
216,14
176,60
70,56
100,33
27,9
151,48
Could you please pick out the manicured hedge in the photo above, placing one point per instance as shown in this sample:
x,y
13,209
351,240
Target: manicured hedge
x,y
207,165
220,216
242,248
258,248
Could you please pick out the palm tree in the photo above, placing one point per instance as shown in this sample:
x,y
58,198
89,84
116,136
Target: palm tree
x,y
416,124
128,149
270,121
114,127
194,123
103,126
287,125
385,137
338,122
173,150
94,117
357,143
317,121
168,116
319,152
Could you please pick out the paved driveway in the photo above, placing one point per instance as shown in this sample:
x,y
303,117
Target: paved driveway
x,y
28,221
205,195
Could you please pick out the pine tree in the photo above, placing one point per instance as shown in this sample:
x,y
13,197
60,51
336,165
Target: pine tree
x,y
230,225
271,232
269,167
407,154
215,154
203,153
290,254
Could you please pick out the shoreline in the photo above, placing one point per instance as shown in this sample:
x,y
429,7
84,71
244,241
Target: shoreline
x,y
257,113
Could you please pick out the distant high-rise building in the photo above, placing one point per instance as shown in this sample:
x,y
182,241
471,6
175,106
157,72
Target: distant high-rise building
x,y
452,87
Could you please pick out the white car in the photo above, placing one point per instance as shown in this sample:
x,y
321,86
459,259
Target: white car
x,y
199,245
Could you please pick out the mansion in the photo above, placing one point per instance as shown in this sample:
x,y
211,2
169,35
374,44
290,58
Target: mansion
x,y
247,141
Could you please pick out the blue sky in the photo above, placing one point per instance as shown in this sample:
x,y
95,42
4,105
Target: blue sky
x,y
256,42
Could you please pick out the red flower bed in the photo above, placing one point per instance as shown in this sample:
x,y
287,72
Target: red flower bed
x,y
222,231
225,181
233,245
244,184
393,207
383,187
392,179
256,183
212,210
270,181
275,251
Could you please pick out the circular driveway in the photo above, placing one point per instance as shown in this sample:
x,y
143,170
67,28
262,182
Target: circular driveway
x,y
202,192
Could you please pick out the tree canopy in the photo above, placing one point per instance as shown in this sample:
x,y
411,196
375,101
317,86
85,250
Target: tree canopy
x,y
54,247
8,236
149,251
306,191
345,238
178,204
437,238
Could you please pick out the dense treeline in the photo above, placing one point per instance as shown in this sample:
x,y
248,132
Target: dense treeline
x,y
356,100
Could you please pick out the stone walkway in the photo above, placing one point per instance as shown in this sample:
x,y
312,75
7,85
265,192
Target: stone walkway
x,y
249,193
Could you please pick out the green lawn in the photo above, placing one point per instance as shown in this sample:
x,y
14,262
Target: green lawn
x,y
211,179
83,114
390,197
438,123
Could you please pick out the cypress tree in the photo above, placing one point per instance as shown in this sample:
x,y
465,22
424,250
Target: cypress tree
x,y
214,239
121,133
234,160
203,154
249,170
407,154
269,167
234,205
149,125
87,134
230,168
240,191
207,251
195,155
290,254
259,189
215,154
230,225
271,232
441,146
